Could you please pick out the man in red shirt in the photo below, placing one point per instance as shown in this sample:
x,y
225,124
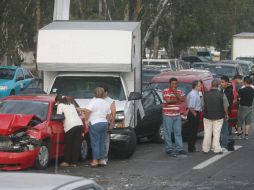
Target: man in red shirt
x,y
171,118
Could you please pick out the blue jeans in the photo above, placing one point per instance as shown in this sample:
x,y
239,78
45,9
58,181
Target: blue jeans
x,y
172,124
224,135
98,132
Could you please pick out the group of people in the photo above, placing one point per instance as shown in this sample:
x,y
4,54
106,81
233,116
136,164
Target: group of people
x,y
215,104
99,116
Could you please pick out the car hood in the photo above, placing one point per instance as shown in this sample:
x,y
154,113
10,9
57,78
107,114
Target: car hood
x,y
4,82
10,123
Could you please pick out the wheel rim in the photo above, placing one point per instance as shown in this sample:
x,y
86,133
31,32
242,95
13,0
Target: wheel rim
x,y
84,148
43,156
161,132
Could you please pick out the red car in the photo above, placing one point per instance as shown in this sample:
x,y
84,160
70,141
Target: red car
x,y
31,133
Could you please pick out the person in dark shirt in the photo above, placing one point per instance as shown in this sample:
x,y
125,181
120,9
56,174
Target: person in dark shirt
x,y
246,96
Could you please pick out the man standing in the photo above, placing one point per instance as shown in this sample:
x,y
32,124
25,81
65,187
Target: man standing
x,y
215,109
112,120
171,117
246,96
228,91
193,117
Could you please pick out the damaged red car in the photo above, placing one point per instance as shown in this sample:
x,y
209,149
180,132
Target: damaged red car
x,y
31,133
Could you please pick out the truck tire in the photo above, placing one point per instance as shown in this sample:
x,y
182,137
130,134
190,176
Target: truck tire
x,y
42,159
130,147
158,136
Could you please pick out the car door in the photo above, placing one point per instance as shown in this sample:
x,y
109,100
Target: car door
x,y
19,85
27,77
153,114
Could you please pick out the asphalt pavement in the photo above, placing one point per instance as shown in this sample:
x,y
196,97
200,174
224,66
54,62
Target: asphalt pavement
x,y
151,169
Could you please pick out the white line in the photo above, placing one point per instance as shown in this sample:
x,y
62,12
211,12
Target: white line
x,y
214,159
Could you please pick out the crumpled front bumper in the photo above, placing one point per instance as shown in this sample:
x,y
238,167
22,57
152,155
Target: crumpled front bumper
x,y
18,160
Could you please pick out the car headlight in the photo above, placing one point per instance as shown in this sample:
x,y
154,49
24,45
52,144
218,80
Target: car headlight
x,y
119,121
3,87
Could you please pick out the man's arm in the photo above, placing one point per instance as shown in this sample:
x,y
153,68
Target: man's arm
x,y
225,105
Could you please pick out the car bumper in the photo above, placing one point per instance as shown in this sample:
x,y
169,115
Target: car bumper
x,y
120,139
4,93
18,160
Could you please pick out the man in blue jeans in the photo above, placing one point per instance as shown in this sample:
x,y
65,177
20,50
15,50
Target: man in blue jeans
x,y
172,98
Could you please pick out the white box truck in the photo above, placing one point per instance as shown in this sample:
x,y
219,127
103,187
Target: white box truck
x,y
76,57
243,46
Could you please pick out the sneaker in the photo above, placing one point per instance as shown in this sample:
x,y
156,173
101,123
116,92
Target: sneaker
x,y
218,153
246,137
171,153
224,150
102,163
64,164
181,153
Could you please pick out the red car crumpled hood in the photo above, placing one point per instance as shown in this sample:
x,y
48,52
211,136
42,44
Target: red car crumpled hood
x,y
10,123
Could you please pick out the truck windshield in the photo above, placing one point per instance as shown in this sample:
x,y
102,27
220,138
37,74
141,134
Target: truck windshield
x,y
83,87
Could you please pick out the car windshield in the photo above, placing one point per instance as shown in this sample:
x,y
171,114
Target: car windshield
x,y
203,53
183,86
245,68
147,75
6,73
26,107
83,86
219,70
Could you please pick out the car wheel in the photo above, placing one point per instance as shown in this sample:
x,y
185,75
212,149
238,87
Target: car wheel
x,y
42,159
12,92
83,150
158,137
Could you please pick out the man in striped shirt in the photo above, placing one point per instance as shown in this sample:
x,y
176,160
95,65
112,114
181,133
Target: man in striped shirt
x,y
172,98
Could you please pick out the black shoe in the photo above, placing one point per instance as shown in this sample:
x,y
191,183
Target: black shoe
x,y
218,153
171,153
193,151
181,153
204,152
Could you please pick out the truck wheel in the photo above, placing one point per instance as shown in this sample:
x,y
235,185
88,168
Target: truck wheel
x,y
158,136
83,150
131,146
42,159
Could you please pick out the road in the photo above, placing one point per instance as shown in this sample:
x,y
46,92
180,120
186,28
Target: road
x,y
151,169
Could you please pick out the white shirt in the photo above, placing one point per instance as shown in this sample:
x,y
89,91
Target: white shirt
x,y
109,100
100,108
72,118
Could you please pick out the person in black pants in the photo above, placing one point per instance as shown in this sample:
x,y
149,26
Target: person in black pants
x,y
193,117
73,131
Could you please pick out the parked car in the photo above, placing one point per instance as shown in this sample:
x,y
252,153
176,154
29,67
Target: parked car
x,y
245,65
41,181
173,64
151,124
246,59
34,87
220,69
193,59
148,72
200,65
13,79
31,133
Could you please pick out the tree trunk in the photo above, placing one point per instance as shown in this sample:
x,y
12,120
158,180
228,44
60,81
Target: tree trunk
x,y
100,7
156,44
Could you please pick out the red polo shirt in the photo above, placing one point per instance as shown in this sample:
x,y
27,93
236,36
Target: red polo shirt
x,y
171,109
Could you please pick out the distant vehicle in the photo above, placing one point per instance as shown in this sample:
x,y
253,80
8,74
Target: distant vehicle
x,y
31,133
245,65
206,54
193,59
243,45
200,65
13,79
42,181
246,59
35,87
220,69
148,73
173,64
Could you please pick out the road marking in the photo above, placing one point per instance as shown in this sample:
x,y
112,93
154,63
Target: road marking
x,y
214,159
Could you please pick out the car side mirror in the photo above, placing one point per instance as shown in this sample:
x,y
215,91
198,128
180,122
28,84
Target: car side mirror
x,y
134,96
57,117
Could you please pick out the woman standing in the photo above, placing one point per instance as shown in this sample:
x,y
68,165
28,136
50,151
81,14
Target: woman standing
x,y
96,114
73,131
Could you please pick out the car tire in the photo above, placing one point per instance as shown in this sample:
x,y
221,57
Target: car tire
x,y
158,137
131,147
83,150
12,92
42,159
